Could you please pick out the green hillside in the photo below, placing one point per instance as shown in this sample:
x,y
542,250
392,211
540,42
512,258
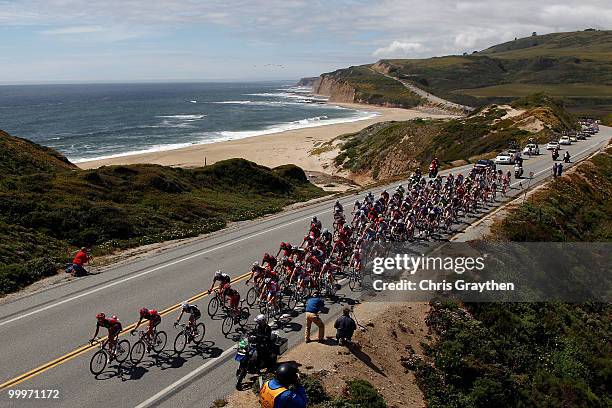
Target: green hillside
x,y
576,66
48,206
391,149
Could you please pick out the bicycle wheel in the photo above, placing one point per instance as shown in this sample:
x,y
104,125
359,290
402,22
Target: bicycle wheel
x,y
138,351
292,301
213,306
159,342
228,323
180,342
352,281
98,362
251,297
263,306
198,335
122,351
245,313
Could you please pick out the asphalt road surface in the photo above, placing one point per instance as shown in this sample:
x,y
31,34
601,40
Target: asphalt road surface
x,y
44,335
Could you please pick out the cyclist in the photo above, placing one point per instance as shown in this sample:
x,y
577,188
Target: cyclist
x,y
234,297
270,260
114,328
223,279
257,273
152,316
193,312
269,291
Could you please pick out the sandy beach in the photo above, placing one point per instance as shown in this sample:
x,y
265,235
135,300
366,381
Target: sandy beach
x,y
289,147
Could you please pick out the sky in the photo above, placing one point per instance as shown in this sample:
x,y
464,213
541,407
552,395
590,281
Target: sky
x,y
181,40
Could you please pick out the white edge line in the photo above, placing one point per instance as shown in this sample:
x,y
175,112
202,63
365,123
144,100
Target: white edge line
x,y
182,380
33,312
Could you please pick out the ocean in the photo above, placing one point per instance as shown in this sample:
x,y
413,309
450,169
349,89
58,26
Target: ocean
x,y
93,121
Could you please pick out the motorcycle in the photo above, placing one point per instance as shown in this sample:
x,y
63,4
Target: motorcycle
x,y
433,172
518,172
555,155
250,362
566,157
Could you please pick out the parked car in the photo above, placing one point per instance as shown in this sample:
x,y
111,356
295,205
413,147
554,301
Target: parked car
x,y
565,140
552,145
580,136
573,138
534,148
505,158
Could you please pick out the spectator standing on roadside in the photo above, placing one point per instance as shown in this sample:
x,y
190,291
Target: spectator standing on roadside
x,y
314,305
345,327
555,167
559,169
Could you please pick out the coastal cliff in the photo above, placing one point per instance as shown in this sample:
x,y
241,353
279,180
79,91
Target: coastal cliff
x,y
308,81
337,90
361,84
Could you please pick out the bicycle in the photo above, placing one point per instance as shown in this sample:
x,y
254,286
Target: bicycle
x,y
144,344
189,333
253,294
239,317
355,278
103,356
215,302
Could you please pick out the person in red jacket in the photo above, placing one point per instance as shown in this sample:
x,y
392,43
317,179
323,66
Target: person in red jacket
x,y
79,261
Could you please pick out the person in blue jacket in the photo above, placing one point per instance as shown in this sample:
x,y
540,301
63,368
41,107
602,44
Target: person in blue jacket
x,y
314,306
284,390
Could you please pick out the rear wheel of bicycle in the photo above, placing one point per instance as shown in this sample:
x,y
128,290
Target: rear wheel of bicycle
x,y
122,351
228,323
198,335
251,297
180,342
159,342
245,313
138,352
213,306
352,282
98,362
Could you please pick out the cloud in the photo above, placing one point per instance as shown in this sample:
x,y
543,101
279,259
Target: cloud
x,y
316,35
73,30
399,49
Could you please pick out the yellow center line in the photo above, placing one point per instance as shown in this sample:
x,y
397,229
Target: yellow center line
x,y
84,349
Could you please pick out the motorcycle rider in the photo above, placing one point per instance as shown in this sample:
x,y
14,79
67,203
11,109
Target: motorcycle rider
x,y
566,157
263,340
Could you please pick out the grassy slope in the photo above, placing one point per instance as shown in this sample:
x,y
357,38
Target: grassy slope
x,y
47,206
531,354
395,148
374,88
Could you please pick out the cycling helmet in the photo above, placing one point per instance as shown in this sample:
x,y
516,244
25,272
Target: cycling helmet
x,y
185,305
298,263
267,280
260,318
100,316
144,311
325,231
255,263
357,202
314,219
326,261
285,259
218,273
287,374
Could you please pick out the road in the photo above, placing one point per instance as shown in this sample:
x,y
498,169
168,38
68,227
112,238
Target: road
x,y
45,334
